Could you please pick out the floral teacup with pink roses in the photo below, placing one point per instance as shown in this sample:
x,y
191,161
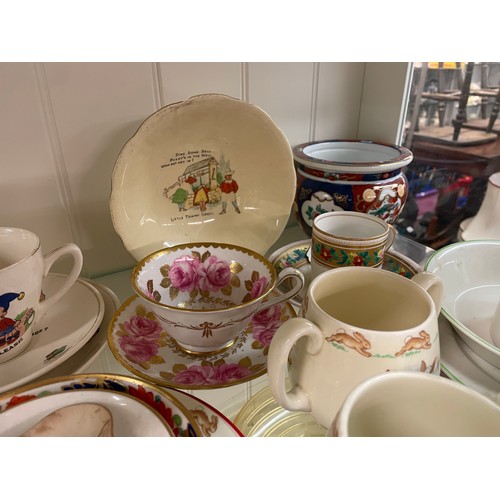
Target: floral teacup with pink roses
x,y
205,294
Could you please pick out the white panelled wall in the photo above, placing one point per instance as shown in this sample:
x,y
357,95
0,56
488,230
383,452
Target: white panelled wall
x,y
62,126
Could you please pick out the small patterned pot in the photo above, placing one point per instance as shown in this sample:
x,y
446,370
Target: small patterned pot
x,y
205,294
359,176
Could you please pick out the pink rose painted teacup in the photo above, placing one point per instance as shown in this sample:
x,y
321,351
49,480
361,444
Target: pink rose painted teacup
x,y
205,294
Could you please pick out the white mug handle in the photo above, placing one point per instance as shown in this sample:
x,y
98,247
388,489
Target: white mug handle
x,y
277,360
433,285
288,273
48,262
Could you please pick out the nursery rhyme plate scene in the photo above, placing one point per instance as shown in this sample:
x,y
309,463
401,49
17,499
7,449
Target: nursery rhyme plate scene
x,y
196,170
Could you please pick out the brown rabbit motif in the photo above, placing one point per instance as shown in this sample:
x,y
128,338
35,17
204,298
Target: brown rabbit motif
x,y
355,341
208,427
415,343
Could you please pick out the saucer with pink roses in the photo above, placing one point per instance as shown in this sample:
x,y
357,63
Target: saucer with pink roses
x,y
143,347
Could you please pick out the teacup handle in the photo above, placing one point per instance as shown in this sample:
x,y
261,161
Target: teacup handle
x,y
390,238
433,285
277,360
48,262
296,276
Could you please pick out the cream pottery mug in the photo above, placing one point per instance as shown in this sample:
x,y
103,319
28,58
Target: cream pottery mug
x,y
22,268
355,322
403,404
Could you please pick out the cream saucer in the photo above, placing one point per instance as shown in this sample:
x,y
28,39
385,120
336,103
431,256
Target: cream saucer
x,y
176,415
131,417
295,255
213,423
87,354
62,331
211,168
162,362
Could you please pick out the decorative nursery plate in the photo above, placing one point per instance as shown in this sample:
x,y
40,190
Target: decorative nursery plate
x,y
168,406
142,347
86,355
213,423
129,417
196,170
459,362
295,255
58,335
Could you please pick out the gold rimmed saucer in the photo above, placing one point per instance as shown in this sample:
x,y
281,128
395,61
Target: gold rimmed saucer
x,y
139,344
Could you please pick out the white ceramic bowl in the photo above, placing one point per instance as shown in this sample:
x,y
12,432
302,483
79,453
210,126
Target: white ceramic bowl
x,y
470,271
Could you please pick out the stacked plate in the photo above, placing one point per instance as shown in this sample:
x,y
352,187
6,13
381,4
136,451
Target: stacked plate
x,y
470,348
132,407
68,338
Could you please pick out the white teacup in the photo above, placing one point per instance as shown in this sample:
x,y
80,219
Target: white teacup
x,y
355,322
403,404
205,294
349,239
22,268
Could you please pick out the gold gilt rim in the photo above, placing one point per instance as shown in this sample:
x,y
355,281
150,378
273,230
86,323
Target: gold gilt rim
x,y
358,248
163,382
227,246
359,215
319,232
101,377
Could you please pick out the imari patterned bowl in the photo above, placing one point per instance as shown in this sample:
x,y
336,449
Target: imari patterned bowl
x,y
205,294
349,175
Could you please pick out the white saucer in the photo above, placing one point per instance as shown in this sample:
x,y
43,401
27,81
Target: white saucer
x,y
177,416
62,331
163,362
184,153
213,423
462,364
87,354
131,416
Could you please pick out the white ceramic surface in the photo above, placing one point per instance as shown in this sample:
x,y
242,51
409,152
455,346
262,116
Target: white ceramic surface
x,y
166,404
22,269
157,199
58,335
212,422
485,225
470,271
131,416
355,322
403,404
91,350
141,346
205,294
460,363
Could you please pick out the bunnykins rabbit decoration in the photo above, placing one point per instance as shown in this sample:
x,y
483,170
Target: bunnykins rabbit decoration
x,y
346,332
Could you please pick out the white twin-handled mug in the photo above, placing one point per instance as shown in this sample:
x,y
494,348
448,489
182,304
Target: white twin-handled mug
x,y
355,322
22,268
404,404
